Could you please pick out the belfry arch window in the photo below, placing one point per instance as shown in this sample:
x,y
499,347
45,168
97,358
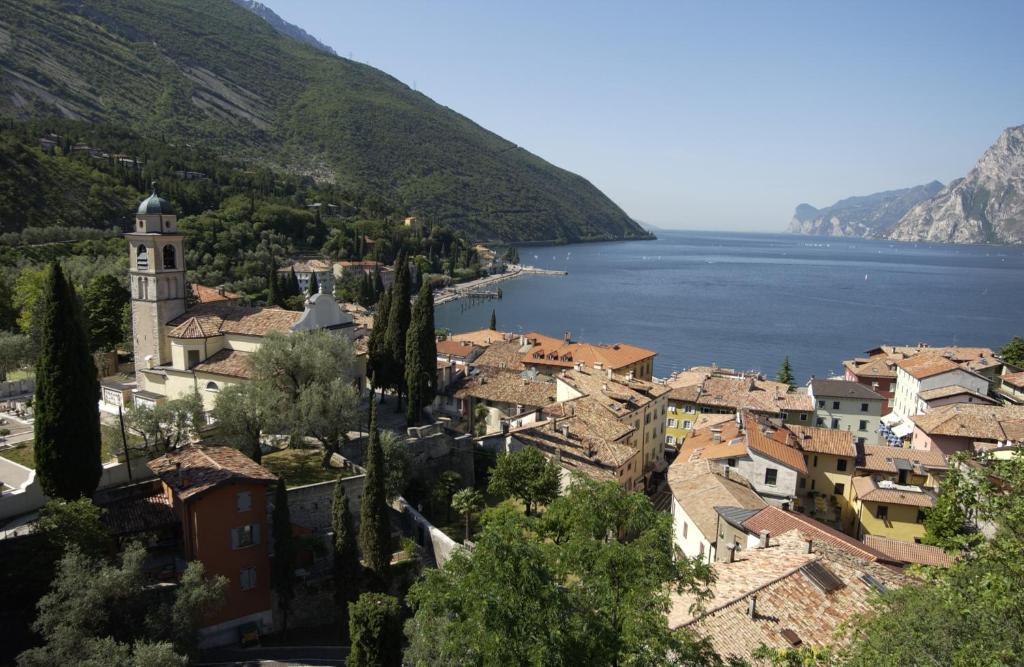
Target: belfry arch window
x,y
141,258
169,258
212,386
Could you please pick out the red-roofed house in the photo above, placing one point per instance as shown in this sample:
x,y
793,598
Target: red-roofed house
x,y
220,497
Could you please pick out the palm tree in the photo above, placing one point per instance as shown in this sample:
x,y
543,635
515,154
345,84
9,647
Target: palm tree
x,y
468,502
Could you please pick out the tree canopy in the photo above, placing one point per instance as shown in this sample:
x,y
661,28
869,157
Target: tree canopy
x,y
527,475
587,583
1013,352
970,612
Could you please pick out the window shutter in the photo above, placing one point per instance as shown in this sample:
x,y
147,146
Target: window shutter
x,y
255,533
234,538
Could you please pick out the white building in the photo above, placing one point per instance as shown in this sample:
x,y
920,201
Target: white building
x,y
847,406
924,372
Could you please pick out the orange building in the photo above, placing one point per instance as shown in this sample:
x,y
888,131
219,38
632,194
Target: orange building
x,y
220,497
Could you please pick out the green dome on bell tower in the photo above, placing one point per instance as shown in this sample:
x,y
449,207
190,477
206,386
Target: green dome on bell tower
x,y
154,204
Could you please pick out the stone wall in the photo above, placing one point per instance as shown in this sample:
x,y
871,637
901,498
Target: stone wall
x,y
437,547
310,505
20,388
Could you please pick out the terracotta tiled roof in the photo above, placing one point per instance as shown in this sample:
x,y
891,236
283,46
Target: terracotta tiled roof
x,y
789,608
878,458
969,420
481,337
775,450
778,522
203,468
883,359
700,486
192,328
709,419
549,351
590,418
1014,379
843,389
231,363
502,354
576,451
878,367
908,552
923,366
870,489
206,294
734,443
227,317
618,394
454,348
687,394
824,440
750,393
504,386
952,390
139,514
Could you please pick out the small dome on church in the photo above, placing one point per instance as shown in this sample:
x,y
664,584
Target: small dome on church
x,y
154,204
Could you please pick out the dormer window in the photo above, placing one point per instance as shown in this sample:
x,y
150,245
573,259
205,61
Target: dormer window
x,y
141,258
169,257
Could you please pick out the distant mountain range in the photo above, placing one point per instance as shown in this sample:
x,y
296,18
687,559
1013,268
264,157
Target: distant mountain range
x,y
986,206
869,216
241,82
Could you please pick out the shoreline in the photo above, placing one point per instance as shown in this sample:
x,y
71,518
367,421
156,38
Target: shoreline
x,y
474,287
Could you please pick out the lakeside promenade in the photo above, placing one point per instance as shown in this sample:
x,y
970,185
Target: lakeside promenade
x,y
479,286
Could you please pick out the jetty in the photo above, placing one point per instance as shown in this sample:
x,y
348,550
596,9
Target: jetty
x,y
479,289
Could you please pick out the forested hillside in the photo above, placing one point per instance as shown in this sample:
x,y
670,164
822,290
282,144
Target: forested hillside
x,y
210,73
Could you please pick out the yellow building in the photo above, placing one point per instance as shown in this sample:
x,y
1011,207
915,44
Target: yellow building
x,y
826,490
890,510
681,415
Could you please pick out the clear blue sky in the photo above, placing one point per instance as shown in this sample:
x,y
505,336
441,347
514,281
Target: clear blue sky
x,y
717,115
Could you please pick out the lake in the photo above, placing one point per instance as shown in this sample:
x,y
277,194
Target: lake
x,y
746,301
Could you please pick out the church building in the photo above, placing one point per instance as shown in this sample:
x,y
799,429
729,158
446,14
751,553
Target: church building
x,y
205,348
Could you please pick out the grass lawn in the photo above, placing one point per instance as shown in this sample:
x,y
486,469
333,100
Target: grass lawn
x,y
20,454
20,374
301,466
110,447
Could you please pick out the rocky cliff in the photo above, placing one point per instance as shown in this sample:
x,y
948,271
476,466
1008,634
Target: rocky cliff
x,y
986,206
869,216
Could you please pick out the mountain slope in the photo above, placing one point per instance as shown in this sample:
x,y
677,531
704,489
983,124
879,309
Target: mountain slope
x,y
211,73
986,206
282,26
869,216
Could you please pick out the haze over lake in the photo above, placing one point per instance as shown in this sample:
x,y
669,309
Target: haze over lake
x,y
746,300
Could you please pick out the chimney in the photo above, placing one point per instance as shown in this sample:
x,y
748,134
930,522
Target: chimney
x,y
565,431
177,472
609,373
808,546
568,336
629,376
752,607
598,366
220,290
730,553
716,435
765,539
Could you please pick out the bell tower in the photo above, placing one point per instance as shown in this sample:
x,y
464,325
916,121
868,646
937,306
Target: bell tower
x,y
156,266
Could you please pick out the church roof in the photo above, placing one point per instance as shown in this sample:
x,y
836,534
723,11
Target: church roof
x,y
226,317
154,204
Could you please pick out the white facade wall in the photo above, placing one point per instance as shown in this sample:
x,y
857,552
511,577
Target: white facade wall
x,y
686,536
907,401
754,469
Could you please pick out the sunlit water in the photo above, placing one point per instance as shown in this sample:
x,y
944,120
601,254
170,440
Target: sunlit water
x,y
747,300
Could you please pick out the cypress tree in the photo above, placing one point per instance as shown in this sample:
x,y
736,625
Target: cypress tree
x,y
348,570
273,290
421,356
66,404
398,327
314,284
378,286
785,374
293,284
374,524
494,320
377,345
282,567
376,629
